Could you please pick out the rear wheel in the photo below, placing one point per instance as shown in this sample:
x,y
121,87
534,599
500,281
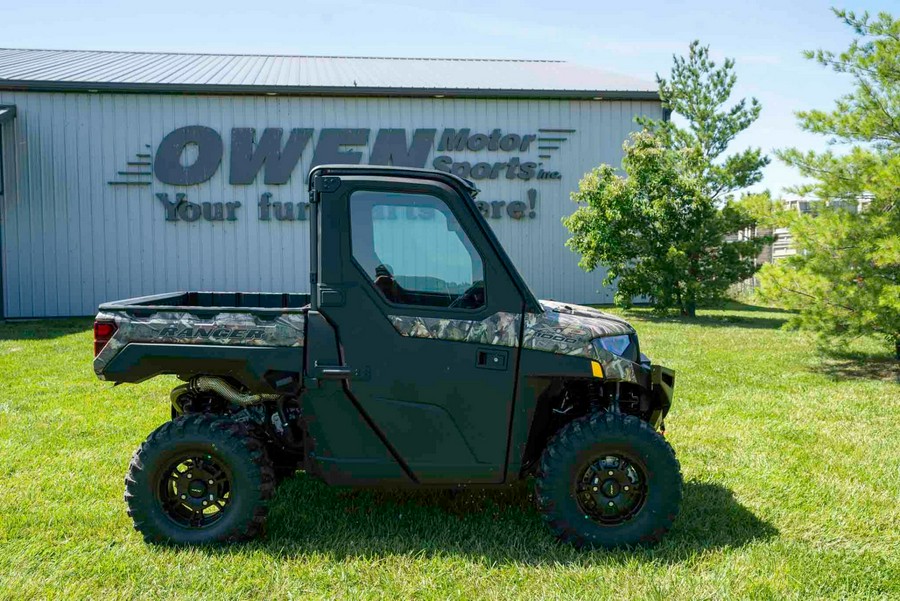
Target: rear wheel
x,y
608,480
199,479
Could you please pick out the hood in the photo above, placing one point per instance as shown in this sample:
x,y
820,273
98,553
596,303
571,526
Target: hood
x,y
600,323
569,329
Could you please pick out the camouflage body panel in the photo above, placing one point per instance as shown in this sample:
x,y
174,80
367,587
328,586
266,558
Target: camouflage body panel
x,y
562,329
615,367
500,329
569,329
168,327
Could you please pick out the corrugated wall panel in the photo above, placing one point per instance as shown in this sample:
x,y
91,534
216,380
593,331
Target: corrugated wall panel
x,y
71,240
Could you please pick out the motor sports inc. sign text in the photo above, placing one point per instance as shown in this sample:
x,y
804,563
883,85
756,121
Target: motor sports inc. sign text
x,y
191,155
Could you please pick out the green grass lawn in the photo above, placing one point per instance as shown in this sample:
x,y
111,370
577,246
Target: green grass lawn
x,y
792,490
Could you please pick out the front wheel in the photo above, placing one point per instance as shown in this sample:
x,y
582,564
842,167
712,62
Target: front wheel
x,y
608,480
199,479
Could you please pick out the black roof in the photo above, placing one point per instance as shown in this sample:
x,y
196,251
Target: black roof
x,y
388,170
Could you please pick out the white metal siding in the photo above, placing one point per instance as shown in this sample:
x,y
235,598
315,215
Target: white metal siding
x,y
71,241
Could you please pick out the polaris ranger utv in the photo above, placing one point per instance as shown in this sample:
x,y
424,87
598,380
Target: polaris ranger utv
x,y
420,359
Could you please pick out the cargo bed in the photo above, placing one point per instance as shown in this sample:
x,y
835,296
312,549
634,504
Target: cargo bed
x,y
246,334
195,302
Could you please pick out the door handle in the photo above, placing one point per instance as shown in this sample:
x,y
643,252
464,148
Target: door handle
x,y
491,359
334,372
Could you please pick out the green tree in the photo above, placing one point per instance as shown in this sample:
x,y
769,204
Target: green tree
x,y
661,228
845,278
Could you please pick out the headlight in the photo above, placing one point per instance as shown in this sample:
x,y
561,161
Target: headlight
x,y
623,345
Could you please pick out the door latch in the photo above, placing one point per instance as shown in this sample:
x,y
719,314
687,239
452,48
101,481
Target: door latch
x,y
491,359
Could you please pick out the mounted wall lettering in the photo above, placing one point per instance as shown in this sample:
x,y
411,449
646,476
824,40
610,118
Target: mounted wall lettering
x,y
331,141
390,148
281,211
248,156
183,210
192,155
278,158
168,166
463,139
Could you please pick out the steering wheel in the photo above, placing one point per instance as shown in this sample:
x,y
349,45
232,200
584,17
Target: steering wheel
x,y
474,293
385,282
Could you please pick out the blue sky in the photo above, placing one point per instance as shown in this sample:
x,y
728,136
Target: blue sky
x,y
766,37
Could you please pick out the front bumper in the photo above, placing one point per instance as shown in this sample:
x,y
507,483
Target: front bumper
x,y
662,389
656,382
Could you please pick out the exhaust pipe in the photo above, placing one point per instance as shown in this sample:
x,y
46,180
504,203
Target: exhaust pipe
x,y
224,390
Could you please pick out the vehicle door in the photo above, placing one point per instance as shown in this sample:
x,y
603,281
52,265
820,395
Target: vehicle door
x,y
428,319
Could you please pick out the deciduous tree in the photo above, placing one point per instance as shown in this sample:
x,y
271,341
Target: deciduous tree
x,y
662,227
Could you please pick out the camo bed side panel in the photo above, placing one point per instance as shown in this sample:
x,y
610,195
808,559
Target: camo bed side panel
x,y
237,329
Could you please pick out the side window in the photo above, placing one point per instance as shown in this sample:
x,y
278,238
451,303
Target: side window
x,y
414,251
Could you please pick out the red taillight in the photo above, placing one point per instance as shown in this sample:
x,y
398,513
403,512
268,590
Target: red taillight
x,y
103,331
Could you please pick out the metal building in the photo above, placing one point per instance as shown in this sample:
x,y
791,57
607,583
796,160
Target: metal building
x,y
124,174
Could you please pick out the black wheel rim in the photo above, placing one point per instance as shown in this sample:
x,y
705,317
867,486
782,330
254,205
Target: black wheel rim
x,y
195,490
612,489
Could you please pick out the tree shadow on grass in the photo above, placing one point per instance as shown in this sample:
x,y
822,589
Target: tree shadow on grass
x,y
720,317
491,526
858,365
43,329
